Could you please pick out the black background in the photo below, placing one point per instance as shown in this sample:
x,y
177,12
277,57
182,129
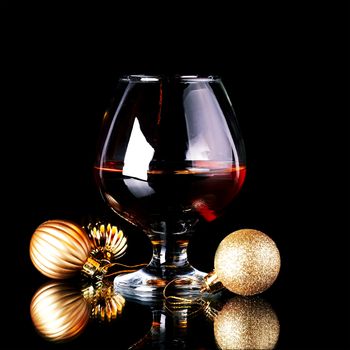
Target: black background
x,y
281,66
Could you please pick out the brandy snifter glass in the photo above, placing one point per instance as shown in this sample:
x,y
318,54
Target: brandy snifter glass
x,y
171,153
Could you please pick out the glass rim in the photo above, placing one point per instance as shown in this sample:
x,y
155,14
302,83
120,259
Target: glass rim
x,y
149,78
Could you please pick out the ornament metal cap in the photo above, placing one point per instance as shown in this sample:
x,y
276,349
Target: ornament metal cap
x,y
93,267
211,283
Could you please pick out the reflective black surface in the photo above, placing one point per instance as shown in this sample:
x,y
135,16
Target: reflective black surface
x,y
59,66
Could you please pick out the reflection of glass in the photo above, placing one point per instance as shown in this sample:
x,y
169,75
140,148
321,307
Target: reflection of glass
x,y
171,152
246,323
167,331
176,329
60,311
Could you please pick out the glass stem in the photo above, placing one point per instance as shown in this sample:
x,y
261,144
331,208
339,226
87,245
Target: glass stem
x,y
169,267
169,253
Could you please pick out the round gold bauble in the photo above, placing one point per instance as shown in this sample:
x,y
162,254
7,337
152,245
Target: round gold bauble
x,y
246,323
59,311
247,262
59,248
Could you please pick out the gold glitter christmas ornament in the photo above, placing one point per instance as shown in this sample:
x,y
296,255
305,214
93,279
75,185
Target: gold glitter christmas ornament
x,y
60,249
246,262
246,323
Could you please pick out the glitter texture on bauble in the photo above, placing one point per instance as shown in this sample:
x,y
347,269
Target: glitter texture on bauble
x,y
247,262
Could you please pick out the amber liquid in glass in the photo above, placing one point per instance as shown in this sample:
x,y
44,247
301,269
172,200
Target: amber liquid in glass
x,y
170,192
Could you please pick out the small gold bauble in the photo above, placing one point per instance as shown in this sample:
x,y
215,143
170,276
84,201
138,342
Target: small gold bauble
x,y
108,242
59,248
246,323
247,262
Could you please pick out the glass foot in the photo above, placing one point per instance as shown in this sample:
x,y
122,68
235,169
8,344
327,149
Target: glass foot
x,y
144,285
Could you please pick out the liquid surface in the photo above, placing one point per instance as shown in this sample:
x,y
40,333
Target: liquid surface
x,y
170,193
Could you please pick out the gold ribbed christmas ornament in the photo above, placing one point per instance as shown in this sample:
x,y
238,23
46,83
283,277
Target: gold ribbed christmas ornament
x,y
60,249
59,311
108,242
246,323
246,262
105,303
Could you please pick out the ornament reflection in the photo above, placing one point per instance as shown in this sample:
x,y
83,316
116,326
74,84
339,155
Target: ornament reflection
x,y
245,323
105,304
60,311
